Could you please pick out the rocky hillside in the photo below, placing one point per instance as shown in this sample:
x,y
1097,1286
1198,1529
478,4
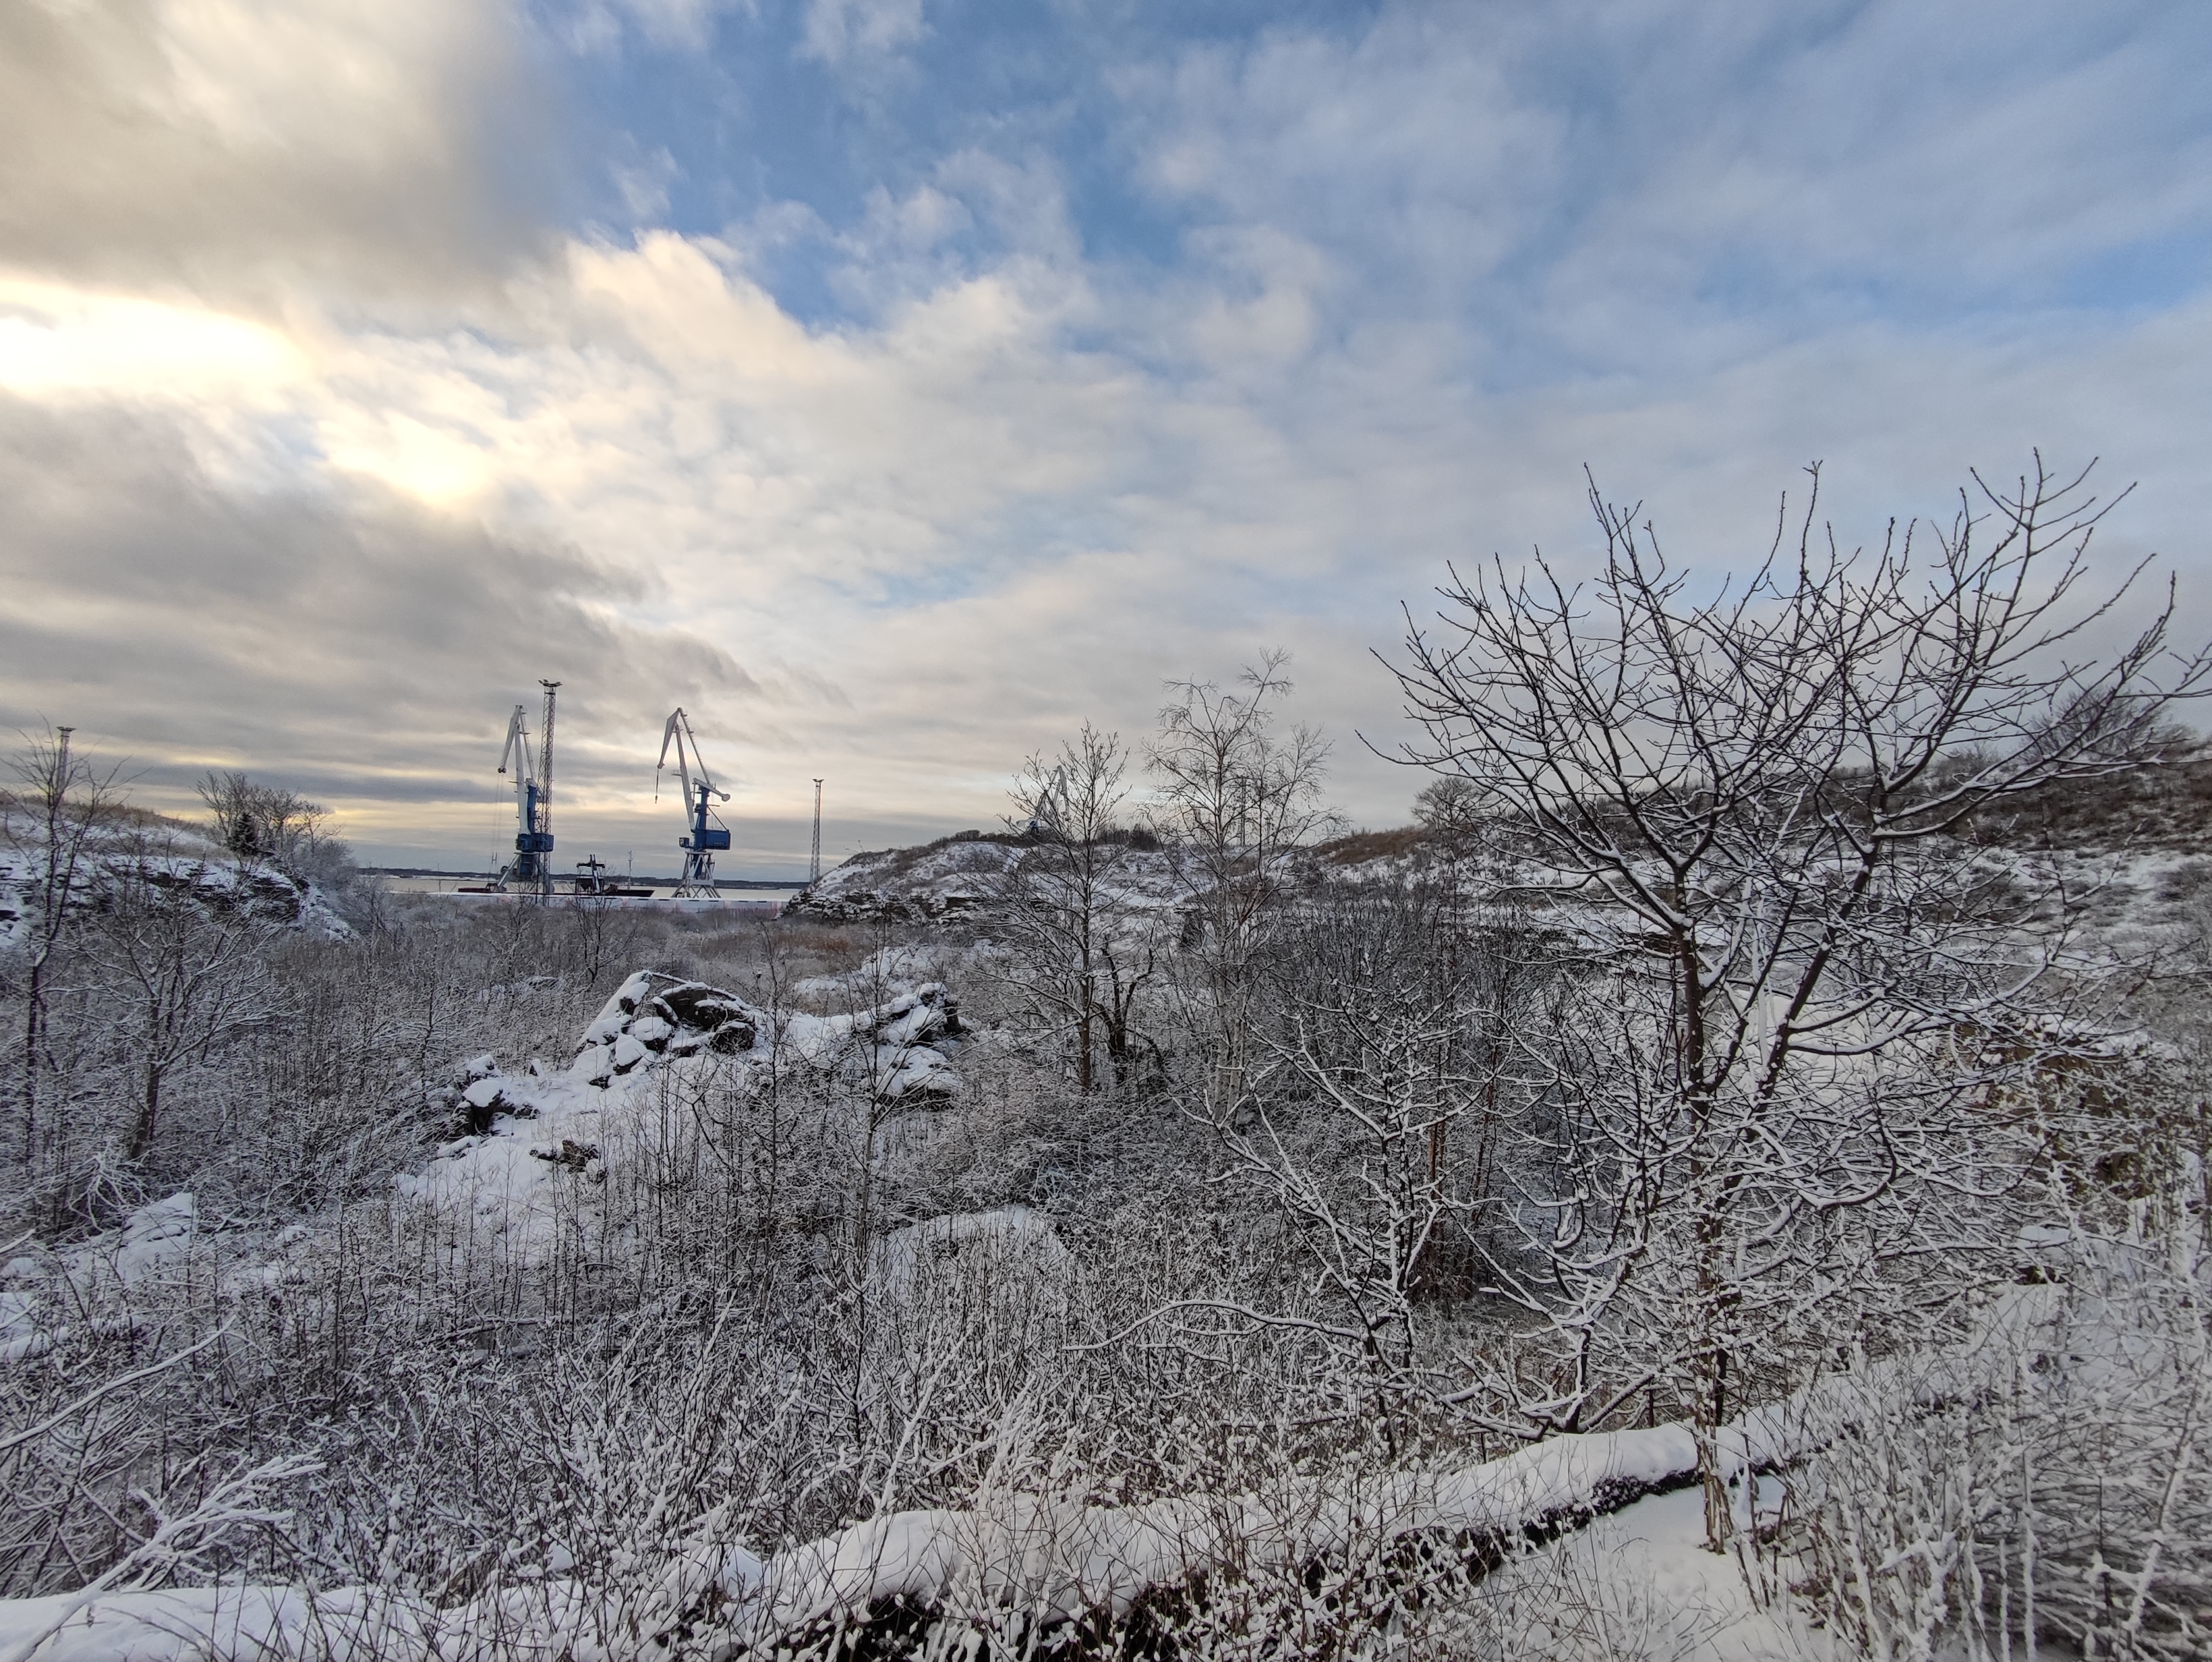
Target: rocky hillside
x,y
180,861
2155,822
956,875
964,874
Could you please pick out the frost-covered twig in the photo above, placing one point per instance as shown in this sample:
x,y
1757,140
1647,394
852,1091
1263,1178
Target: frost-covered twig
x,y
177,1541
106,1388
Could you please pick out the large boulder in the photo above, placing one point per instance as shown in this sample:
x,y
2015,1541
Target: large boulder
x,y
654,1016
888,1043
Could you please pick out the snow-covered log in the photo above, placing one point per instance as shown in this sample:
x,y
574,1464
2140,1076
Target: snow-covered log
x,y
1058,1563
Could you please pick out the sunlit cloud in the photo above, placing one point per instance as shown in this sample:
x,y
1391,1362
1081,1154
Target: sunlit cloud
x,y
898,468
59,340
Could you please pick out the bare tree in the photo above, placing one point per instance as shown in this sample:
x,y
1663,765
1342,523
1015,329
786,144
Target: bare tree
x,y
1083,953
1797,980
1236,797
1360,1174
597,935
263,822
63,800
179,945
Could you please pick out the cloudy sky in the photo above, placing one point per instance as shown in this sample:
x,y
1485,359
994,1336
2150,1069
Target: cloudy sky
x,y
896,383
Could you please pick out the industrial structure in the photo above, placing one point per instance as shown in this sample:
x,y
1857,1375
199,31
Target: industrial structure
x,y
705,834
532,869
1044,812
528,757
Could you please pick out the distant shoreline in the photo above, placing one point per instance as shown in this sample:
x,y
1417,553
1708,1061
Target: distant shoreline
x,y
794,883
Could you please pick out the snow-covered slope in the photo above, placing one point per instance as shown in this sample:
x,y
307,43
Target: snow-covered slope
x,y
216,881
966,874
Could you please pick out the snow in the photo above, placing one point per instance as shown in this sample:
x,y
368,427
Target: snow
x,y
1060,1560
190,1622
1640,1584
96,1278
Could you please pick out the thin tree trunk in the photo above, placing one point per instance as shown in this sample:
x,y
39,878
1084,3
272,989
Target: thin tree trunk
x,y
34,1023
150,1108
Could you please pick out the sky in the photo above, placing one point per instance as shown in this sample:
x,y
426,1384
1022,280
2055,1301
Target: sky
x,y
895,385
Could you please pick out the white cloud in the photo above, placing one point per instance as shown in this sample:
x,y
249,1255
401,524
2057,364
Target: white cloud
x,y
56,339
840,30
245,145
645,187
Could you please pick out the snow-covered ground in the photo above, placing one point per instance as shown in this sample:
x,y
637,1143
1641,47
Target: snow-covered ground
x,y
1638,1585
93,1282
1635,1581
546,1135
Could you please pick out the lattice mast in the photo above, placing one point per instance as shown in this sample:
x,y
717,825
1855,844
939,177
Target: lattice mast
x,y
545,793
705,835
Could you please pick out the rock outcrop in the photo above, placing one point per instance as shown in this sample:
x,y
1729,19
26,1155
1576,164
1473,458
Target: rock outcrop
x,y
654,1016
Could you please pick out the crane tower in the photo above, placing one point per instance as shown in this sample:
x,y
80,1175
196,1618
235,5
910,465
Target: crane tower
x,y
705,835
531,869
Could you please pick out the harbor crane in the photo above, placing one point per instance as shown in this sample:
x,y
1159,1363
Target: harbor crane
x,y
1044,812
531,869
707,835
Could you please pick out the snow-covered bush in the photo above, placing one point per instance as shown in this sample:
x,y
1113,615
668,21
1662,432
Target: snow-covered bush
x,y
2048,1480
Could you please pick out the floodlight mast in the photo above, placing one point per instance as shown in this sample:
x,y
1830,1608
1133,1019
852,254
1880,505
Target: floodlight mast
x,y
706,834
545,793
814,860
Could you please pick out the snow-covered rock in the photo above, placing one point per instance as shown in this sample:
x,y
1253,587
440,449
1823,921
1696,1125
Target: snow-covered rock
x,y
940,880
214,880
652,1016
892,1046
965,875
530,1137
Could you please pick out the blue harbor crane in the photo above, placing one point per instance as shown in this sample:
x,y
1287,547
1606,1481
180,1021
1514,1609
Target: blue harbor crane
x,y
531,871
1044,812
707,835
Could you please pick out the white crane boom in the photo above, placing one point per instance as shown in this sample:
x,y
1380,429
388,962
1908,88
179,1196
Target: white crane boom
x,y
678,732
518,743
1044,812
